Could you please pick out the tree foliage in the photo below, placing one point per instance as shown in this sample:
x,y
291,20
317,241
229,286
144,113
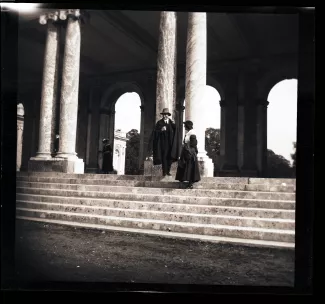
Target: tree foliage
x,y
212,142
278,166
132,152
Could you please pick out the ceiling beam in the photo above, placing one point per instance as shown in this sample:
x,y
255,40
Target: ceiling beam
x,y
131,29
248,34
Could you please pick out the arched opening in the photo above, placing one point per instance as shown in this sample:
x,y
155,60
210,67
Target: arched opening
x,y
211,120
282,128
127,127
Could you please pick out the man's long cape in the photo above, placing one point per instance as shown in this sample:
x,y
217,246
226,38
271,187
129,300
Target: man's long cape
x,y
155,146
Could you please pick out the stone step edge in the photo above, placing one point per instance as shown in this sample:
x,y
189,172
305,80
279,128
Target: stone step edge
x,y
162,182
174,235
148,181
25,173
234,217
188,190
159,203
146,194
279,231
170,195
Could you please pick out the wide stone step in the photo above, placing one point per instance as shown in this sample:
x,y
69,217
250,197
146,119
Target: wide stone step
x,y
167,234
273,181
157,206
203,229
160,184
164,216
164,191
220,180
179,199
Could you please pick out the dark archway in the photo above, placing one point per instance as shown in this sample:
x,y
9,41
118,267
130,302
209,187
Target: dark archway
x,y
108,112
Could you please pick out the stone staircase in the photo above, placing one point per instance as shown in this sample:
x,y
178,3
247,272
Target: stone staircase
x,y
239,210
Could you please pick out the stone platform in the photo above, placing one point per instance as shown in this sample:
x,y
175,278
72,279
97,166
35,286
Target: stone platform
x,y
252,211
56,165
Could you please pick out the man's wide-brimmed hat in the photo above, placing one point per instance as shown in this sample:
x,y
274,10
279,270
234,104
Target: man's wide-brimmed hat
x,y
188,124
165,111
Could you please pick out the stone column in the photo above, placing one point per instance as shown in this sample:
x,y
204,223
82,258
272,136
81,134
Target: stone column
x,y
262,137
49,87
142,135
196,58
166,64
20,131
180,119
241,128
222,132
69,92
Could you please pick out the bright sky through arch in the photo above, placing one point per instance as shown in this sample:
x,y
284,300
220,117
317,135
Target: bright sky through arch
x,y
210,108
282,118
128,112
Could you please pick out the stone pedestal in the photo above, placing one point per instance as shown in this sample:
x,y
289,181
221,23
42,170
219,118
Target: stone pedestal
x,y
20,130
56,165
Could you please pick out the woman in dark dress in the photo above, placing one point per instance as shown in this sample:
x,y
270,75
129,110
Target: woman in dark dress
x,y
107,165
188,167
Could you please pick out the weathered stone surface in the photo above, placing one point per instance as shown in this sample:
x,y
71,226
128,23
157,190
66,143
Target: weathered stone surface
x,y
69,90
166,64
194,228
283,196
49,92
158,206
174,216
217,180
56,165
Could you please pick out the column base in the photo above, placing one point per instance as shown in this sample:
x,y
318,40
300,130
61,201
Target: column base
x,y
56,165
205,168
151,170
228,170
249,173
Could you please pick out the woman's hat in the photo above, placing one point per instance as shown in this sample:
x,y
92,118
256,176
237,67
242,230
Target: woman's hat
x,y
165,111
188,124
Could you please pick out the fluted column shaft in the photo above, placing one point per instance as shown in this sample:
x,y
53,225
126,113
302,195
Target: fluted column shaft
x,y
70,89
196,58
166,64
20,131
49,91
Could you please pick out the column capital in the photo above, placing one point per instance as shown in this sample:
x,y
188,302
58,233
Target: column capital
x,y
52,16
262,102
222,103
63,15
20,110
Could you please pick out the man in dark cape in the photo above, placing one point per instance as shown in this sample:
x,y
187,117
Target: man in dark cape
x,y
164,142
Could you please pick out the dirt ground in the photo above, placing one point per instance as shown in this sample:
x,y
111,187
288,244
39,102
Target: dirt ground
x,y
64,253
